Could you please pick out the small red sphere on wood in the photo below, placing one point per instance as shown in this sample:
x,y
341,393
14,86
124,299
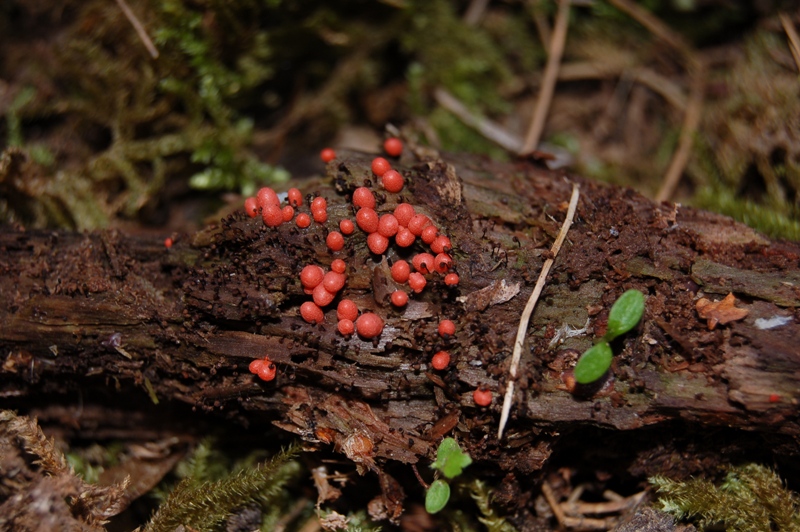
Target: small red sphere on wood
x,y
404,238
482,397
404,212
399,298
400,271
272,215
267,371
367,219
346,327
311,276
363,197
369,325
440,360
338,266
347,310
334,241
392,181
251,207
393,146
387,225
311,312
303,220
380,166
327,155
377,243
347,227
417,282
451,279
288,213
294,197
447,328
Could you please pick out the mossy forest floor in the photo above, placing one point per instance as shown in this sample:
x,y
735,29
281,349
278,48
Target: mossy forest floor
x,y
159,130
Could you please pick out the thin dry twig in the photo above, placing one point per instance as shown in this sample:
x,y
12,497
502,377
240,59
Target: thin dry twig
x,y
541,23
491,130
652,23
526,313
550,77
691,120
140,31
547,491
794,39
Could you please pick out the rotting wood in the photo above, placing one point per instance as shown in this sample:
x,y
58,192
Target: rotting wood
x,y
192,318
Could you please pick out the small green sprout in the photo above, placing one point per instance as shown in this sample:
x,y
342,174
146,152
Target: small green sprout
x,y
451,461
625,314
437,496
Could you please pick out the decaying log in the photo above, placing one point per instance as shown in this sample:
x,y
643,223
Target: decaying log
x,y
105,311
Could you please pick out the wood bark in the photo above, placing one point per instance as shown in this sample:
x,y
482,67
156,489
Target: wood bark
x,y
121,318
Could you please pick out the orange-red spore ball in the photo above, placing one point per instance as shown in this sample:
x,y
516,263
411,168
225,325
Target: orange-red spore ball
x,y
417,282
417,223
311,312
367,219
303,220
294,197
311,276
327,155
363,197
168,242
272,215
387,225
429,234
255,365
423,263
404,238
267,371
267,196
442,262
377,243
393,146
392,181
447,328
400,271
322,297
451,279
440,360
482,397
369,325
320,216
380,166
347,310
399,298
338,266
251,207
404,212
347,227
441,244
319,204
333,282
346,327
288,213
334,241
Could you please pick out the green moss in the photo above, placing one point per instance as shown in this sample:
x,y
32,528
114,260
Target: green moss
x,y
752,498
202,502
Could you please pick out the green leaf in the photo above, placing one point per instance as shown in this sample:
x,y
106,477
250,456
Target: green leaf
x,y
437,496
450,459
593,363
625,314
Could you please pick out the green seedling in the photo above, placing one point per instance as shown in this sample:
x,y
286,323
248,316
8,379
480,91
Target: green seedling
x,y
625,314
450,461
437,496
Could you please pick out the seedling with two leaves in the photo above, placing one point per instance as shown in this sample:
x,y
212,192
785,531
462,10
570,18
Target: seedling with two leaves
x,y
450,461
625,314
